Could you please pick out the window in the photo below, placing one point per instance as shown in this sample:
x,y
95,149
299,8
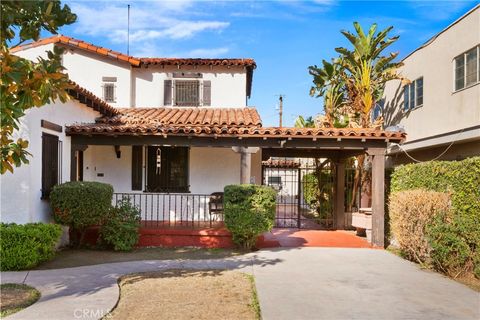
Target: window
x,y
467,68
167,169
109,89
187,93
378,110
413,95
51,163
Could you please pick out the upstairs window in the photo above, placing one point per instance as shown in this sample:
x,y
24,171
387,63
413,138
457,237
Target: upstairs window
x,y
109,94
413,94
187,93
467,68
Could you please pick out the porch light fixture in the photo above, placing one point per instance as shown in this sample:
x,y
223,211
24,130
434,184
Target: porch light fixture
x,y
159,161
118,152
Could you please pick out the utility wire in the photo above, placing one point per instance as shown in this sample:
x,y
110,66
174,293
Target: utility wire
x,y
437,157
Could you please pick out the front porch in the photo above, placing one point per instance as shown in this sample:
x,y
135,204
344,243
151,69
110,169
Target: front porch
x,y
170,169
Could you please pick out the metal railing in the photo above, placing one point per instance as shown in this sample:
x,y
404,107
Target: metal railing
x,y
173,209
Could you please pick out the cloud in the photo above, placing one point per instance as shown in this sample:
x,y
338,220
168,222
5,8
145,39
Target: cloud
x,y
148,21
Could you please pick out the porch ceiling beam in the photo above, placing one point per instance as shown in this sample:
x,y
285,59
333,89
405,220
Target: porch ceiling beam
x,y
321,143
310,153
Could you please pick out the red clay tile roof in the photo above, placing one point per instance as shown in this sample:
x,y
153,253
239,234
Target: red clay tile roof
x,y
214,122
134,60
200,62
82,45
89,99
184,116
280,163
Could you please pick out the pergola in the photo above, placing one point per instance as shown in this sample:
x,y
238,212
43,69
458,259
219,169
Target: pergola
x,y
335,144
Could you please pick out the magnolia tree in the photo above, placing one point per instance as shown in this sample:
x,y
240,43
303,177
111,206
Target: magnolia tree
x,y
26,84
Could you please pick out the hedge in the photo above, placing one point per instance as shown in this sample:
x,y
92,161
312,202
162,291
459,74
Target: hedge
x,y
81,204
411,212
454,237
25,246
249,212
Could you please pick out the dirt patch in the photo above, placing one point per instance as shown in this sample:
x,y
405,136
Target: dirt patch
x,y
69,258
15,297
180,294
470,281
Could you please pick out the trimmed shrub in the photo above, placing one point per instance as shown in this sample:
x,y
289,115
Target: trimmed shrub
x,y
410,213
25,246
449,235
121,228
249,212
80,205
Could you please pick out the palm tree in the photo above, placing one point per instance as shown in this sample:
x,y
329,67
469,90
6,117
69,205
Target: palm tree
x,y
367,70
329,83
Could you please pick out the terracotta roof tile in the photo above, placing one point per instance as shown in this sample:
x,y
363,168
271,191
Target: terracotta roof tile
x,y
183,116
89,99
82,45
173,121
200,62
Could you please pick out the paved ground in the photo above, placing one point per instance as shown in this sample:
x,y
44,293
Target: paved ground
x,y
292,283
290,238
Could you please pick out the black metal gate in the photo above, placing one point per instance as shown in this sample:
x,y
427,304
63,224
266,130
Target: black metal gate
x,y
305,192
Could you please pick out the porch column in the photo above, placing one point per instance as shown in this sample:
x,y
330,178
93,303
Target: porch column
x,y
378,195
245,162
340,195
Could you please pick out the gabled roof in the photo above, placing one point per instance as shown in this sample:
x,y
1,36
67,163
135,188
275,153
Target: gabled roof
x,y
82,45
136,61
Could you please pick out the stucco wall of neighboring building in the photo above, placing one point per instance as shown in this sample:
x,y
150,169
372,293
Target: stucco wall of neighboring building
x,y
443,109
21,191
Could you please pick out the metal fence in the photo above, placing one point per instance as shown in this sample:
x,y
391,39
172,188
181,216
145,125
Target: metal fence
x,y
173,209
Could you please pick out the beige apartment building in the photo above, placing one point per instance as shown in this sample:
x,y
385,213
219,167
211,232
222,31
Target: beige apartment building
x,y
439,107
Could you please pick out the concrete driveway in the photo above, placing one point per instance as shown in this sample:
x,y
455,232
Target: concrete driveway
x,y
292,283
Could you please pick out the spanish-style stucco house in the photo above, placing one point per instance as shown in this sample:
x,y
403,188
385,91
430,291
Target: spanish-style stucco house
x,y
440,107
167,133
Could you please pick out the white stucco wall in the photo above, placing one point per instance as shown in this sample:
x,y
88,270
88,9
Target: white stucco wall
x,y
21,191
228,85
443,109
210,169
87,69
35,52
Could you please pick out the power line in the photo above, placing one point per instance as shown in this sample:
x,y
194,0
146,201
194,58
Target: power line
x,y
437,157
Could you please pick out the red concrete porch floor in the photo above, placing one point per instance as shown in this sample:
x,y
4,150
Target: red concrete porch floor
x,y
311,238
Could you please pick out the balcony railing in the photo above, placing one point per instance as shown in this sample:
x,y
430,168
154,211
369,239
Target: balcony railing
x,y
174,209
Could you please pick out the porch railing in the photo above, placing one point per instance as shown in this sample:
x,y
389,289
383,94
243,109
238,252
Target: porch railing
x,y
173,209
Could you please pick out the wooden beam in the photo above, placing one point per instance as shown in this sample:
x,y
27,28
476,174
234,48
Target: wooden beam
x,y
378,196
51,126
267,153
209,141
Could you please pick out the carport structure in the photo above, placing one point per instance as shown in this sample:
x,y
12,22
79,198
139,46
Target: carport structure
x,y
333,143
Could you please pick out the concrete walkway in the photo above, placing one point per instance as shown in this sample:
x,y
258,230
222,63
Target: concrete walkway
x,y
294,283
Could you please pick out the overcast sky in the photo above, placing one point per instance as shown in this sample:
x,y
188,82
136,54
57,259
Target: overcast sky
x,y
284,37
